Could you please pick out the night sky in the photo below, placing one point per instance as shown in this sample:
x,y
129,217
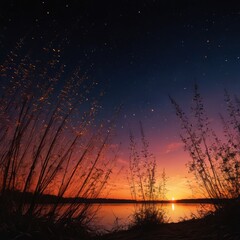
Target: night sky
x,y
139,52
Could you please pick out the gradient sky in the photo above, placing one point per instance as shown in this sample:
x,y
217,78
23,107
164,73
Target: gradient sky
x,y
140,52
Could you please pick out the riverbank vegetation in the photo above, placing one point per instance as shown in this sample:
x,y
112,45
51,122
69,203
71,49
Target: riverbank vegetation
x,y
215,160
145,185
50,143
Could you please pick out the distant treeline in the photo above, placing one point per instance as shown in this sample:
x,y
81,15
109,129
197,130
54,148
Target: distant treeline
x,y
50,199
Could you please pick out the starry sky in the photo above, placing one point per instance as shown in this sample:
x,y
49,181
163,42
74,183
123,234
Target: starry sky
x,y
139,51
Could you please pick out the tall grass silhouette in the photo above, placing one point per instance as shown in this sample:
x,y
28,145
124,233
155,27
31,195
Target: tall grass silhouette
x,y
50,143
214,160
146,187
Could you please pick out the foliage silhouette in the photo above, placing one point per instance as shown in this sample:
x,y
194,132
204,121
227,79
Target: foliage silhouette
x,y
214,160
144,185
49,142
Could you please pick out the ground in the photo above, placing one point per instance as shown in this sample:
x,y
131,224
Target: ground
x,y
193,229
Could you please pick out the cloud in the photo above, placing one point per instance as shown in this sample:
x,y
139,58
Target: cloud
x,y
172,147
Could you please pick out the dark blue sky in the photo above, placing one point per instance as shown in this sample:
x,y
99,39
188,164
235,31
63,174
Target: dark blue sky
x,y
140,51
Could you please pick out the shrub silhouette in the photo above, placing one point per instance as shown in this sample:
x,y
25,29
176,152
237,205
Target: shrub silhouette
x,y
144,185
214,160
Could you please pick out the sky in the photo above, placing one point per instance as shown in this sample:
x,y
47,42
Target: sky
x,y
140,52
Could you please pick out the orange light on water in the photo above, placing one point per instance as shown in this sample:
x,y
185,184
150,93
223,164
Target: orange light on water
x,y
173,206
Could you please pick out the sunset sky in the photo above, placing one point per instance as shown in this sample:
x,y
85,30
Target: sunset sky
x,y
140,52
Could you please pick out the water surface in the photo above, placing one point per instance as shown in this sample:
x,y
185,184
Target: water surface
x,y
120,214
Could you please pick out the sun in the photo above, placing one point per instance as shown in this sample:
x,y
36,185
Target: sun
x,y
173,198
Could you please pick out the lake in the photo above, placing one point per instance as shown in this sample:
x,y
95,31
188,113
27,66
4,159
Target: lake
x,y
113,215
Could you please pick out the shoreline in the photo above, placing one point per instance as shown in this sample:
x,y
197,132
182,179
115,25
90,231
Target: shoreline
x,y
193,229
51,199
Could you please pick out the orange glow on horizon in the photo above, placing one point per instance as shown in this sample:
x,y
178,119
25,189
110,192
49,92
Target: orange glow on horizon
x,y
172,159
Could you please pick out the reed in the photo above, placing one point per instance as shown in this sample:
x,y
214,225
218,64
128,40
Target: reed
x,y
49,143
214,160
145,185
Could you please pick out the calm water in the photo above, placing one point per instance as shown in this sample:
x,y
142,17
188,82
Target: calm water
x,y
115,215
109,215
